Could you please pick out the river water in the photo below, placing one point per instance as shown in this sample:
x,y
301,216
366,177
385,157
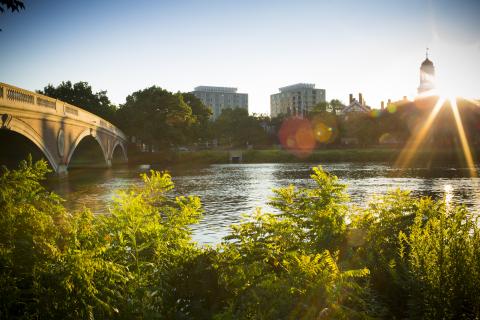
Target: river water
x,y
227,191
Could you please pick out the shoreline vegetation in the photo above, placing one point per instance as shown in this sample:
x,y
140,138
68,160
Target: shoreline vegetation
x,y
425,157
321,257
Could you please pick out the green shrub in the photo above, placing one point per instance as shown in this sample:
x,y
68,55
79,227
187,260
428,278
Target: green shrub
x,y
318,258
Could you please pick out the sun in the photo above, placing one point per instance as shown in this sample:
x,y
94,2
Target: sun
x,y
448,86
457,68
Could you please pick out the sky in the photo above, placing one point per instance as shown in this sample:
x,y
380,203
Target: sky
x,y
342,46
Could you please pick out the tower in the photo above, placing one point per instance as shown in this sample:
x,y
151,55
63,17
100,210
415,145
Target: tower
x,y
427,75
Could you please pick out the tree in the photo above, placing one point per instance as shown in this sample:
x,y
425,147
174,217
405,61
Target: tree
x,y
361,126
320,107
156,116
201,128
235,127
336,106
81,95
12,5
276,124
324,123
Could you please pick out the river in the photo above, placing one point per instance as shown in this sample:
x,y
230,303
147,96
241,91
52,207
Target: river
x,y
229,190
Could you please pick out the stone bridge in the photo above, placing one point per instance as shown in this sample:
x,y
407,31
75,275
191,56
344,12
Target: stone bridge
x,y
56,127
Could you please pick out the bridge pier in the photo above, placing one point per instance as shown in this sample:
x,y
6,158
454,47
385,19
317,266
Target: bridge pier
x,y
62,169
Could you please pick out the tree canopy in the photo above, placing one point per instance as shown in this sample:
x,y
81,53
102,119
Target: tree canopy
x,y
157,117
11,5
200,130
80,94
235,127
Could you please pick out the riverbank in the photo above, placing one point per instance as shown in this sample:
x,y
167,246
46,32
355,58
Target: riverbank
x,y
424,157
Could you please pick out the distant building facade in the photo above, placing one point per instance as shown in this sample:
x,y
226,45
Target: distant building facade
x,y
297,99
219,98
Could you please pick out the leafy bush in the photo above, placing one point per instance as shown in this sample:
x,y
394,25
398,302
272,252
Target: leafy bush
x,y
59,265
318,258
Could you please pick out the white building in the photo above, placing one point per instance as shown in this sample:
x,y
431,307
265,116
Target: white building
x,y
219,98
297,99
427,76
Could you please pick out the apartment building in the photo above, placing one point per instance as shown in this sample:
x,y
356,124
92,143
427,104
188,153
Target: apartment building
x,y
297,99
219,98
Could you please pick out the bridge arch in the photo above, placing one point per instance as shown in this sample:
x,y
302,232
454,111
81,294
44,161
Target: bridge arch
x,y
27,131
83,135
122,147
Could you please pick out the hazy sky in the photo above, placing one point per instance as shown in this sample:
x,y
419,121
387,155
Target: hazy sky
x,y
373,47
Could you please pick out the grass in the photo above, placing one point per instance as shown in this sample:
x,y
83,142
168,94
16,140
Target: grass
x,y
424,157
328,155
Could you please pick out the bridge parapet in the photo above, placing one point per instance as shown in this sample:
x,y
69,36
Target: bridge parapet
x,y
11,95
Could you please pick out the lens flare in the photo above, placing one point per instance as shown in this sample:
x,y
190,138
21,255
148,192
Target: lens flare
x,y
392,108
463,138
416,139
375,113
297,136
323,133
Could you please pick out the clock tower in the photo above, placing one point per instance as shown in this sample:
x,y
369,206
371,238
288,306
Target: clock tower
x,y
427,76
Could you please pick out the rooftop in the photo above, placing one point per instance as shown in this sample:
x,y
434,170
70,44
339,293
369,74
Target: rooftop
x,y
297,86
216,89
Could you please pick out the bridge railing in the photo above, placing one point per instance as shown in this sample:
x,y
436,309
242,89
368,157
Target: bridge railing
x,y
31,100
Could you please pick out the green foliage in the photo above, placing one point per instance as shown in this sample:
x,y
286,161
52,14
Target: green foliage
x,y
374,235
423,256
270,276
325,124
336,106
57,265
156,116
235,127
11,5
361,126
200,130
148,233
279,266
442,253
318,214
80,94
31,223
317,258
45,271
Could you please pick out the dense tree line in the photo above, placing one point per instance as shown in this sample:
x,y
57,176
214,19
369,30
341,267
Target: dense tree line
x,y
161,119
319,257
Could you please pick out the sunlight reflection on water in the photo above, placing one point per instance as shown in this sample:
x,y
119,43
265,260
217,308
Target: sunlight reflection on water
x,y
229,190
